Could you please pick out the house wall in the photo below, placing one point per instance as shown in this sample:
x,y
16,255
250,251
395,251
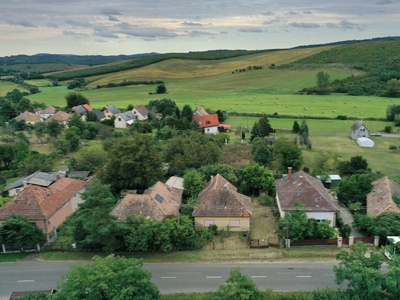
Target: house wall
x,y
46,116
223,222
211,130
139,115
76,199
15,191
120,123
330,216
361,132
56,219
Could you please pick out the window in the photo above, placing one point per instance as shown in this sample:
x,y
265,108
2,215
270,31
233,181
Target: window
x,y
17,191
208,129
208,122
208,223
234,223
119,119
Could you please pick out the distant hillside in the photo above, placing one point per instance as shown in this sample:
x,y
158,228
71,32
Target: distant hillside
x,y
148,60
73,59
379,60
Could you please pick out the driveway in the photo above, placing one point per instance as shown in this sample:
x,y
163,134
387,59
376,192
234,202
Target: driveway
x,y
348,218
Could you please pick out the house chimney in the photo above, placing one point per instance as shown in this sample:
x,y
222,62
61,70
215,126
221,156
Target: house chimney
x,y
225,186
58,177
289,173
301,178
25,183
212,177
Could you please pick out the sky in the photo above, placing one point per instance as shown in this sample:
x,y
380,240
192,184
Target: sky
x,y
112,27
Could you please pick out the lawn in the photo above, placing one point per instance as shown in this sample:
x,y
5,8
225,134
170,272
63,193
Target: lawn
x,y
7,86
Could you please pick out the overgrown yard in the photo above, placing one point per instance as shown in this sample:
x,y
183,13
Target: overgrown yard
x,y
263,222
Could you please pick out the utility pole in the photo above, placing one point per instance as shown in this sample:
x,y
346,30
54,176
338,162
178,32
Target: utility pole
x,y
287,234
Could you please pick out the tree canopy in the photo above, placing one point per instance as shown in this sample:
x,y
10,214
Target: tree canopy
x,y
75,99
288,154
111,278
323,83
261,128
133,163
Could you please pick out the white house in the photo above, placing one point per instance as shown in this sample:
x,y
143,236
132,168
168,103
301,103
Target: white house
x,y
141,112
124,120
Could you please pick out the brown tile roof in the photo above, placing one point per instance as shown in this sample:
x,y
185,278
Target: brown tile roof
x,y
201,112
219,198
206,121
48,110
35,202
379,200
142,109
87,107
157,203
28,116
60,116
306,189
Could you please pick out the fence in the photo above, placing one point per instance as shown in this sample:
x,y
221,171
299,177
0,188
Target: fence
x,y
336,241
265,243
9,248
316,242
57,247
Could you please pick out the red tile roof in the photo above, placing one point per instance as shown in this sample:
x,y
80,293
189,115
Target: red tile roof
x,y
48,110
148,206
306,189
35,202
207,120
219,198
142,110
87,107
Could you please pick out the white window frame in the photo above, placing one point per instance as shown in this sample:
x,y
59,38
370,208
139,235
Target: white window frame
x,y
208,223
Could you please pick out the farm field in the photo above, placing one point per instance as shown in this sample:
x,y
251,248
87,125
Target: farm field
x,y
39,82
6,86
44,67
245,101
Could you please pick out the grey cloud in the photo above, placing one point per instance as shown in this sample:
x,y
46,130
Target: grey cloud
x,y
384,2
144,32
250,29
109,12
292,12
101,41
223,32
112,18
105,33
74,33
344,24
78,23
23,23
267,13
307,12
272,21
191,24
304,25
198,33
52,25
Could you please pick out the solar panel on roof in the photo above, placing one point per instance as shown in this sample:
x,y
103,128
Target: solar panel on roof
x,y
159,198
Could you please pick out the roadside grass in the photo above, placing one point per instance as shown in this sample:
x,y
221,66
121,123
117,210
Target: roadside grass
x,y
12,257
209,255
192,296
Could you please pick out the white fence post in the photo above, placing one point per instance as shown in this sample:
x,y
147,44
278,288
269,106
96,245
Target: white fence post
x,y
339,242
4,248
351,241
376,241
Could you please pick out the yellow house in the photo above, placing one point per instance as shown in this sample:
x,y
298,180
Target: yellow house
x,y
29,118
220,204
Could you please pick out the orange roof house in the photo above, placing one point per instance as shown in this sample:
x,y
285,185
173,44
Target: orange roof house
x,y
209,123
220,204
47,207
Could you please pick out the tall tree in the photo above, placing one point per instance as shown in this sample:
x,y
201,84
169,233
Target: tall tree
x,y
322,83
53,128
262,153
187,112
133,163
354,189
288,154
75,99
165,107
110,278
261,128
256,178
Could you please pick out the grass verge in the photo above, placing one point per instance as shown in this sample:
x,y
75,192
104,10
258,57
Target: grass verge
x,y
12,257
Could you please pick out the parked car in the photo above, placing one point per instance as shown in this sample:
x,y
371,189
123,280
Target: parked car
x,y
376,134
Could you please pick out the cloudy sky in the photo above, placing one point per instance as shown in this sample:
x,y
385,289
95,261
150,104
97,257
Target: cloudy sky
x,y
127,27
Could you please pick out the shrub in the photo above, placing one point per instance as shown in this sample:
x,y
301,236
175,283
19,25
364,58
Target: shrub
x,y
388,129
393,148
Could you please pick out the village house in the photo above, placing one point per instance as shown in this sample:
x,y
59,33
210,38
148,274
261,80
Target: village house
x,y
46,207
38,178
124,120
29,118
208,123
47,113
358,130
141,112
61,117
220,204
110,111
310,191
380,199
159,202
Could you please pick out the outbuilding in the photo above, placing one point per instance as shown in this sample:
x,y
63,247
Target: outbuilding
x,y
365,142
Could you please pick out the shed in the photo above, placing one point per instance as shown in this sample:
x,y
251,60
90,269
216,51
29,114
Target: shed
x,y
365,142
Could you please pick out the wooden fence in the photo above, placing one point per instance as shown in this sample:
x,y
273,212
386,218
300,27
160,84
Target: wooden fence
x,y
316,242
271,241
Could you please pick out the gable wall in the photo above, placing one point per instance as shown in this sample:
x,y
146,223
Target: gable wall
x,y
139,115
362,131
211,130
223,222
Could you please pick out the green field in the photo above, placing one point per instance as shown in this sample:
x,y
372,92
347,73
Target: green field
x,y
44,67
39,82
6,86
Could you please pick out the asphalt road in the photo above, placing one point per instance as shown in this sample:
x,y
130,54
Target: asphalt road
x,y
174,278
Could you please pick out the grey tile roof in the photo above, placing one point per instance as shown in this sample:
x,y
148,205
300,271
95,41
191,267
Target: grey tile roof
x,y
37,178
128,115
99,114
112,109
79,110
